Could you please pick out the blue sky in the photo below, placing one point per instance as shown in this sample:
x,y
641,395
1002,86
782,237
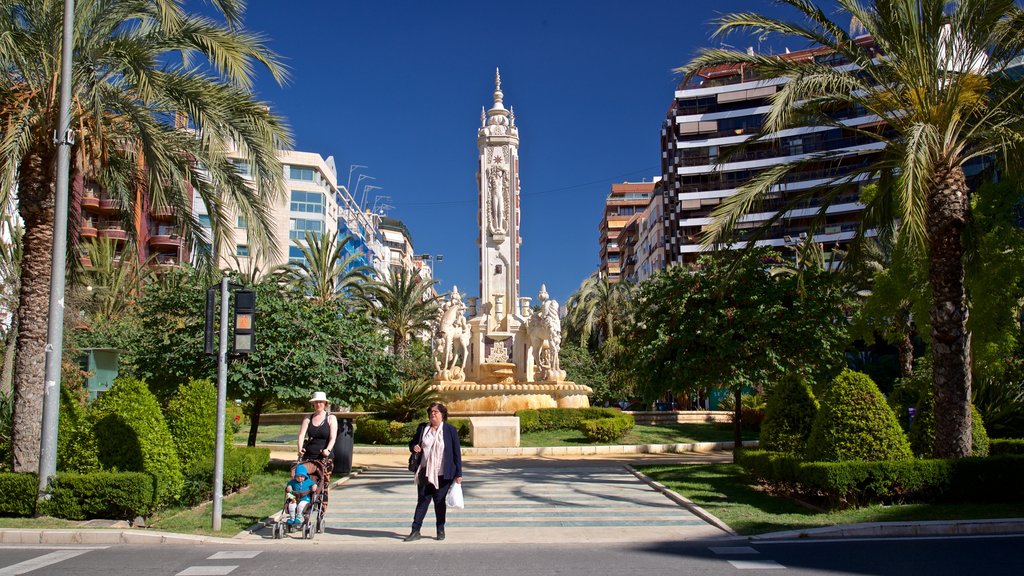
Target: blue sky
x,y
397,86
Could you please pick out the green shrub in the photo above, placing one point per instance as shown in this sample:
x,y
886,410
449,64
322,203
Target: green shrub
x,y
384,432
606,430
789,417
132,436
76,444
855,423
18,494
234,417
1004,446
979,436
529,420
562,418
240,466
101,495
192,420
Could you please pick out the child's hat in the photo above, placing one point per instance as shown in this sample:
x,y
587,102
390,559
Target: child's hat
x,y
300,470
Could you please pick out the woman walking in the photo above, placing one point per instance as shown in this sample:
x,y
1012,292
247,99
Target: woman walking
x,y
441,465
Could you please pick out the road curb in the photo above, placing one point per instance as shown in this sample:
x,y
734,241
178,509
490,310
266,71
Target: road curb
x,y
893,529
683,501
100,536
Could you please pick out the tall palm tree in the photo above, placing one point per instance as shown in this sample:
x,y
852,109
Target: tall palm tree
x,y
112,283
159,97
404,304
597,308
935,76
325,273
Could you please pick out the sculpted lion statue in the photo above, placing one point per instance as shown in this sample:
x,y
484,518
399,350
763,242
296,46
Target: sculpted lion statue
x,y
544,330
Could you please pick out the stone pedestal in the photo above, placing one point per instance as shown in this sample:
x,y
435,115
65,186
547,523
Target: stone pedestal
x,y
494,431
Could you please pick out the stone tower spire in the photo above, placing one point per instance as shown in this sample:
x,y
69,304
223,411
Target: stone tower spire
x,y
498,195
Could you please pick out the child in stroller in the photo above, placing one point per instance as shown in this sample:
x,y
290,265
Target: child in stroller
x,y
299,493
306,499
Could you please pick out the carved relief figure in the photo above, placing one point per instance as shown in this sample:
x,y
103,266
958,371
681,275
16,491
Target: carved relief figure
x,y
544,330
451,339
497,183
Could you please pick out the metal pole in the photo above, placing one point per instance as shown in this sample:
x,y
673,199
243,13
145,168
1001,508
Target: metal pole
x,y
55,319
222,394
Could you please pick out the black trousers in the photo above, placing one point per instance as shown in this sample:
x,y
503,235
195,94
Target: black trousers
x,y
425,492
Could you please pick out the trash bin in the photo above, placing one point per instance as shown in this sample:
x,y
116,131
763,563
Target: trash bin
x,y
343,443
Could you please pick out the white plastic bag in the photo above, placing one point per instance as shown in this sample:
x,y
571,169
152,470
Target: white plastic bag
x,y
454,499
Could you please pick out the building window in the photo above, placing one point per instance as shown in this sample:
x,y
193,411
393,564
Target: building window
x,y
301,173
242,167
242,222
307,202
242,250
297,228
204,221
295,255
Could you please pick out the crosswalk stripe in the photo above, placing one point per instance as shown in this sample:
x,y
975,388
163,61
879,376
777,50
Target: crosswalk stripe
x,y
40,562
235,555
206,571
756,565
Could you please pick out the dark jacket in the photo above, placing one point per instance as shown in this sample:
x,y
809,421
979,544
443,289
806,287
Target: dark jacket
x,y
451,466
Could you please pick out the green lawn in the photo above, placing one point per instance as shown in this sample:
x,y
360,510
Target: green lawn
x,y
285,435
722,490
666,434
239,511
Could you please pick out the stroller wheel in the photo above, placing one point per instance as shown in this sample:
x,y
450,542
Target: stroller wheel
x,y
314,522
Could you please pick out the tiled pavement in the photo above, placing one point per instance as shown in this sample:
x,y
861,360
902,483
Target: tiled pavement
x,y
598,502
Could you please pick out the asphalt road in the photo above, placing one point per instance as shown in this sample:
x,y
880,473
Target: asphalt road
x,y
897,557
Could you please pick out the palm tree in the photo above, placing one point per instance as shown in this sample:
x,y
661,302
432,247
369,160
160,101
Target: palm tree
x,y
10,278
112,283
403,304
159,98
325,273
597,307
935,76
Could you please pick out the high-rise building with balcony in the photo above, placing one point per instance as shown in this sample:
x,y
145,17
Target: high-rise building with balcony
x,y
704,162
624,202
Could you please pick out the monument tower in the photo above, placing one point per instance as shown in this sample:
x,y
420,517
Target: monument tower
x,y
505,356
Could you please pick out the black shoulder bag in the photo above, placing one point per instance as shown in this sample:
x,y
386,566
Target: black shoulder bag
x,y
415,457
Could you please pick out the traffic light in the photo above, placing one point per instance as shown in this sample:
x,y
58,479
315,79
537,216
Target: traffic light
x,y
245,326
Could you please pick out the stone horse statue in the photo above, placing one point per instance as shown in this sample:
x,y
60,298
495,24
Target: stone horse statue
x,y
544,330
451,339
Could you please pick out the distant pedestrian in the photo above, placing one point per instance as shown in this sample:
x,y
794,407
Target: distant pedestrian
x,y
441,465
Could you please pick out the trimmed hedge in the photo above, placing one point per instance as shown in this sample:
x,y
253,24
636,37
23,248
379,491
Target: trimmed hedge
x,y
192,420
240,466
606,430
858,483
18,494
789,416
132,436
1002,446
76,496
855,423
389,433
561,418
76,444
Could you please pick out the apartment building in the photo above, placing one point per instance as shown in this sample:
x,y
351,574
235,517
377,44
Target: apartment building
x,y
314,203
398,241
703,161
624,202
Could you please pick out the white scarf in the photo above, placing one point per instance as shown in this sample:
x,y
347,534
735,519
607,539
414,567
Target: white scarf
x,y
433,453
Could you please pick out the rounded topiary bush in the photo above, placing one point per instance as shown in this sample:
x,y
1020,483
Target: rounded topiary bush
x,y
132,436
76,444
789,417
192,419
855,423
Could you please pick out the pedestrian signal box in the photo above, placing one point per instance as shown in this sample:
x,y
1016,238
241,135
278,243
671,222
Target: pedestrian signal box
x,y
245,328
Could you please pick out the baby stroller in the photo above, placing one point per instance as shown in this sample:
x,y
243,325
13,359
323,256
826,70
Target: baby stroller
x,y
313,515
